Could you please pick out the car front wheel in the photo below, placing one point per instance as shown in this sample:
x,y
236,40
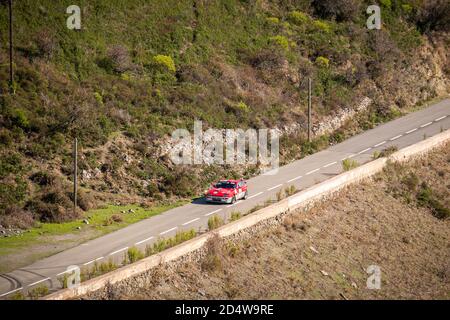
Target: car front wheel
x,y
233,200
245,195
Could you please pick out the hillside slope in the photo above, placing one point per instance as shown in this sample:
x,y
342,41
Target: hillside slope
x,y
399,221
139,69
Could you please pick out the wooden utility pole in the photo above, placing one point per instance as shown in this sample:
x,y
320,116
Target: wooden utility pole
x,y
75,180
11,74
309,109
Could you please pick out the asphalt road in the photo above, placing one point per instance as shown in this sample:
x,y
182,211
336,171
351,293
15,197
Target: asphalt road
x,y
303,173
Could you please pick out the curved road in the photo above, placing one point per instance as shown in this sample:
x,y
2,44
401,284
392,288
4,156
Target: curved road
x,y
302,174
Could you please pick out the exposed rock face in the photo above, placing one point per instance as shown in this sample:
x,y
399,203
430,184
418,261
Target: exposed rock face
x,y
332,123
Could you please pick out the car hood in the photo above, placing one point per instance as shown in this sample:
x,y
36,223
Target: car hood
x,y
219,192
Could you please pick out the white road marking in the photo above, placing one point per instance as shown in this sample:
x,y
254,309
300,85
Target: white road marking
x,y
426,124
348,157
312,171
412,130
329,165
9,292
117,251
89,262
255,195
145,240
70,270
167,231
296,178
396,137
35,283
438,119
379,144
232,205
193,220
278,185
208,214
365,150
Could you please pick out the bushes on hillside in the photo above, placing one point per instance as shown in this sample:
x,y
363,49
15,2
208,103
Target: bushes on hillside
x,y
280,41
46,44
298,17
341,10
266,59
118,58
54,202
165,62
433,15
384,48
322,62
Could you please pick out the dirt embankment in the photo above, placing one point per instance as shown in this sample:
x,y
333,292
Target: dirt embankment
x,y
396,221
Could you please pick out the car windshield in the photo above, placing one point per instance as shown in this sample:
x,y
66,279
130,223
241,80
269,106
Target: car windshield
x,y
225,184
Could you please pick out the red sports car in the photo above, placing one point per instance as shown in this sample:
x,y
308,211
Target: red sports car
x,y
227,191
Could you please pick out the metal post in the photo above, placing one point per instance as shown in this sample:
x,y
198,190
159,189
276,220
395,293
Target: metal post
x,y
75,180
309,110
11,79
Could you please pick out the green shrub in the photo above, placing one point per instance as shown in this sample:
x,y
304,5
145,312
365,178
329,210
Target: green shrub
x,y
298,17
19,118
427,199
289,191
13,192
279,195
134,254
407,8
376,154
18,295
386,152
6,137
38,292
280,41
165,62
272,20
10,164
97,270
386,3
98,97
322,26
163,244
349,164
241,106
214,222
411,181
322,62
233,249
235,216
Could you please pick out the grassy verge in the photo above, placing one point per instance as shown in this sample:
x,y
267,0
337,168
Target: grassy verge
x,y
99,224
